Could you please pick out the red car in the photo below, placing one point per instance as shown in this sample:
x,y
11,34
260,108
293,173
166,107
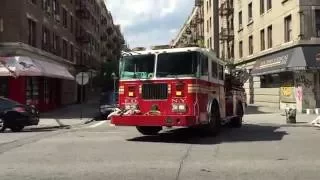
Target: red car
x,y
16,116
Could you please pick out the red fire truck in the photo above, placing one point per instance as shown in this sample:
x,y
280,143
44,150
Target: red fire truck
x,y
178,87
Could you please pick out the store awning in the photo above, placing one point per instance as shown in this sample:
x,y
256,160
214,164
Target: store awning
x,y
294,59
26,66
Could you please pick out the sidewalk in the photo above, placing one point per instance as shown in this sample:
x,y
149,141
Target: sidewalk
x,y
256,114
70,115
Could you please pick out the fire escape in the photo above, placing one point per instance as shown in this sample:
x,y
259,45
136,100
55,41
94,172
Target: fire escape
x,y
83,37
193,33
199,24
226,34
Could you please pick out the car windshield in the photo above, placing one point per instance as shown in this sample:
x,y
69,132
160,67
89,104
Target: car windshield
x,y
7,103
182,64
137,66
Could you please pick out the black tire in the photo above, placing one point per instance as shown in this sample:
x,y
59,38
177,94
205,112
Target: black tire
x,y
214,126
17,128
149,130
2,125
237,121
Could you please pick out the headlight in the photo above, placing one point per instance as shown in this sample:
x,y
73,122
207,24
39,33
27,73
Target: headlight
x,y
175,107
131,106
182,108
179,108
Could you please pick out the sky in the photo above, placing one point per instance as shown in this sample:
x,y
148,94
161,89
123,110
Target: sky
x,y
149,22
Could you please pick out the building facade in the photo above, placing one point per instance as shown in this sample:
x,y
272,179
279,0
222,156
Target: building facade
x,y
218,28
278,41
192,32
59,38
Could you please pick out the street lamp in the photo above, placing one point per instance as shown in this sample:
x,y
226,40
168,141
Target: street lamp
x,y
114,77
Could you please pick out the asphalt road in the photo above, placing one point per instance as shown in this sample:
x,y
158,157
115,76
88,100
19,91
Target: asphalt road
x,y
259,150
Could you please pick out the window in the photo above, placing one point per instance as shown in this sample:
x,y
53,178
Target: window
x,y
210,23
270,37
56,44
262,6
56,7
250,12
45,39
188,59
210,3
240,20
65,49
214,69
65,17
32,90
1,25
46,6
221,72
250,45
204,65
32,33
210,42
207,5
269,4
240,49
71,53
71,24
207,25
33,1
270,81
4,82
317,14
262,40
287,29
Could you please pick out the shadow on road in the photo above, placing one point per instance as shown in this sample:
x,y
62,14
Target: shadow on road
x,y
248,133
257,110
41,129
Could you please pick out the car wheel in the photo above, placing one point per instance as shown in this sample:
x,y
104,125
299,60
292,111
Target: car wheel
x,y
17,128
2,125
214,126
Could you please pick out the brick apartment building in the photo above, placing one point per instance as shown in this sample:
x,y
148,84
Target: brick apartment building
x,y
192,32
44,43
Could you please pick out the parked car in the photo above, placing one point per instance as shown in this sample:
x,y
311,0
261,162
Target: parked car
x,y
16,116
108,102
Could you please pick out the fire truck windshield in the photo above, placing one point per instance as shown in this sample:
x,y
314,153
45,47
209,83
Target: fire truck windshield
x,y
180,64
137,66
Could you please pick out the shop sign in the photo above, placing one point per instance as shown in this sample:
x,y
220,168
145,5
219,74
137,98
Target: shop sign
x,y
287,92
277,61
82,78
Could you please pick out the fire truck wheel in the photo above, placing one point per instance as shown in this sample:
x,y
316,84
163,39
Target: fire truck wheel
x,y
146,130
213,128
237,121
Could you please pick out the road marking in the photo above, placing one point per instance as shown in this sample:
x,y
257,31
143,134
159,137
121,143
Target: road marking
x,y
97,124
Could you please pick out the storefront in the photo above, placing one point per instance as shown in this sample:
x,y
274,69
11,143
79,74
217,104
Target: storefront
x,y
289,78
31,81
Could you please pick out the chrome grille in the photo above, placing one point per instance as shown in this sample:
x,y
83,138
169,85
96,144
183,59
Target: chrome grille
x,y
155,91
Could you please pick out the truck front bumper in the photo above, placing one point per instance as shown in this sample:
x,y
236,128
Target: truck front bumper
x,y
158,120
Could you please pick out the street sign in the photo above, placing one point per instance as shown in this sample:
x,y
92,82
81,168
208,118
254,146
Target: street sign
x,y
82,78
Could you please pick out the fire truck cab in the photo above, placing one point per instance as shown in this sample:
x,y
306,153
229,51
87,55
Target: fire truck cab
x,y
178,87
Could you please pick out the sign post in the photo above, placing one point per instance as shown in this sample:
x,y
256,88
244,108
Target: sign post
x,y
114,77
82,79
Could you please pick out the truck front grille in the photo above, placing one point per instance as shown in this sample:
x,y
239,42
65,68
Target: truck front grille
x,y
155,91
